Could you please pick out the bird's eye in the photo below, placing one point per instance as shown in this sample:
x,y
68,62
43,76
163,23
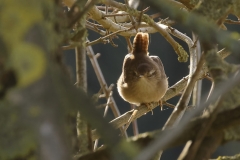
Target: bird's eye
x,y
151,73
135,74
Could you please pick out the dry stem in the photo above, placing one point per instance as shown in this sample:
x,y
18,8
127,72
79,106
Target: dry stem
x,y
103,84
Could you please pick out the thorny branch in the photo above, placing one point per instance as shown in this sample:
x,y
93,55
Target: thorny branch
x,y
103,84
177,47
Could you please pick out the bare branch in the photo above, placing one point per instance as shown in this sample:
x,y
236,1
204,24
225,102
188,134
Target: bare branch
x,y
183,102
103,84
195,22
229,21
177,47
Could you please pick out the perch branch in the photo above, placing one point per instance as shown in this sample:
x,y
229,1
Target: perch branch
x,y
171,92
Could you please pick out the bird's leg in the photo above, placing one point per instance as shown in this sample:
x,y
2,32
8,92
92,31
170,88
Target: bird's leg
x,y
161,104
131,119
148,105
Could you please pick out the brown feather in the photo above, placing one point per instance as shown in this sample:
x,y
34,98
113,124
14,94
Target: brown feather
x,y
140,44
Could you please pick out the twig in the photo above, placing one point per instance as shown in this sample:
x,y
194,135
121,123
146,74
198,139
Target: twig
x,y
168,104
195,22
183,102
134,123
146,9
153,16
68,47
112,15
107,23
229,21
224,53
178,48
104,8
95,29
211,89
81,13
113,27
193,74
101,39
196,94
105,112
108,102
235,157
93,24
131,17
130,47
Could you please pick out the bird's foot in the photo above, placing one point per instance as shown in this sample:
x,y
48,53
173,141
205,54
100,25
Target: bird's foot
x,y
149,106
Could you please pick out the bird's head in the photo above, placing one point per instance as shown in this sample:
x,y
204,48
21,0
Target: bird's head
x,y
145,70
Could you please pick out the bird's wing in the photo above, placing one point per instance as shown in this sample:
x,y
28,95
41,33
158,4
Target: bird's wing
x,y
125,68
158,61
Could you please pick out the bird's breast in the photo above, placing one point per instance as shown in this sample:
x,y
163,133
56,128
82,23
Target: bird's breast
x,y
144,90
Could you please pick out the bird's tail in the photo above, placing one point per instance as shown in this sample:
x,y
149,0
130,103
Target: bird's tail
x,y
140,43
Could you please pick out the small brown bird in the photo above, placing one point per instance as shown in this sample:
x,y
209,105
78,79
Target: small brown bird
x,y
143,79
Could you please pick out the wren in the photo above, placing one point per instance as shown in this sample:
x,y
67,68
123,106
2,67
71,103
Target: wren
x,y
143,79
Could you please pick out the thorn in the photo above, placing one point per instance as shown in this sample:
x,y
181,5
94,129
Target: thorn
x,y
105,111
171,29
97,55
185,78
110,88
195,43
146,9
102,95
153,16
